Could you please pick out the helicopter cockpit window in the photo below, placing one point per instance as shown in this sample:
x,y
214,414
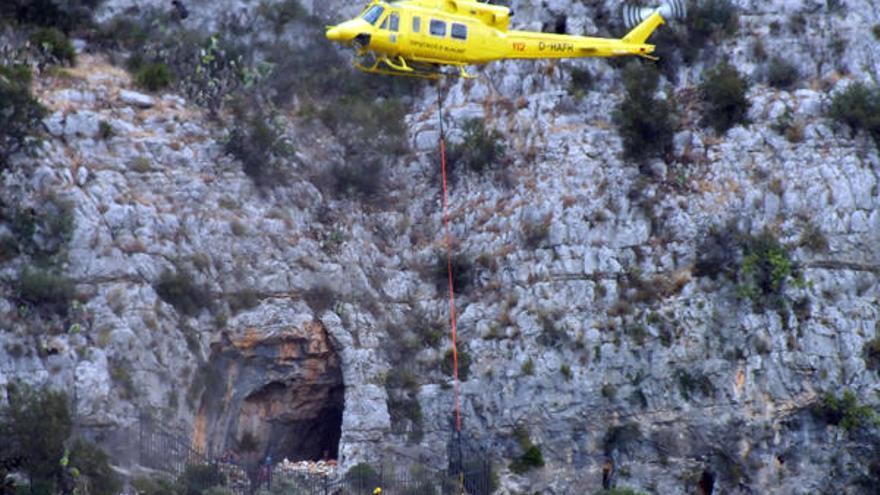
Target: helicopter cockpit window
x,y
438,28
373,14
458,31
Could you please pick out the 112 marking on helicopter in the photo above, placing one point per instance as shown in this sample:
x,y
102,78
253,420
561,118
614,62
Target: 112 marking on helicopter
x,y
419,37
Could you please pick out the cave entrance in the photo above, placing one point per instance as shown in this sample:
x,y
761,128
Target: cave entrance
x,y
298,422
284,393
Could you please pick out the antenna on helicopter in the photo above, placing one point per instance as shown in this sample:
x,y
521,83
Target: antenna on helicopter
x,y
670,9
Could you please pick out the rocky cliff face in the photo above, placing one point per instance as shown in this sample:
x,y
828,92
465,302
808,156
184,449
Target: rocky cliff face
x,y
599,320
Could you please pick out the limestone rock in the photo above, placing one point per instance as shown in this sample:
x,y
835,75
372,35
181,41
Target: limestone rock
x,y
136,99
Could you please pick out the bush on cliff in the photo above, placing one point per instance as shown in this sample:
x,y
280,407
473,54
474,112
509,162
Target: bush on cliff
x,y
180,290
20,114
724,94
480,150
36,426
859,108
646,124
65,15
54,45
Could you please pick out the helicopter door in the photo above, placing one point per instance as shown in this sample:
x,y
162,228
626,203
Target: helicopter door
x,y
389,32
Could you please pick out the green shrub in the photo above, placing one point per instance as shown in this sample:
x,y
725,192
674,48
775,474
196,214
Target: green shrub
x,y
766,267
371,130
261,147
21,115
711,19
283,13
871,354
447,366
198,479
566,371
42,232
152,486
531,457
120,373
536,231
582,82
35,424
93,463
153,76
480,150
689,384
724,93
646,124
790,127
218,74
54,43
358,180
528,367
859,108
124,32
403,409
65,15
781,73
320,298
844,411
876,31
619,491
717,253
46,289
105,130
814,239
180,290
609,391
243,300
363,474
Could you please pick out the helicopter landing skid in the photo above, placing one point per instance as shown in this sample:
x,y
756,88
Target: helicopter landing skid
x,y
398,66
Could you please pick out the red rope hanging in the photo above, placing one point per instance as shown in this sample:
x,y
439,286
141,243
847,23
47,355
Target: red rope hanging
x,y
452,319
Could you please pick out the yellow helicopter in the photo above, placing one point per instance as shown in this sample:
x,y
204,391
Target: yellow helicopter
x,y
419,37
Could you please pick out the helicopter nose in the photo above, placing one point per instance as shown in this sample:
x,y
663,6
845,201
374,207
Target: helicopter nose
x,y
335,34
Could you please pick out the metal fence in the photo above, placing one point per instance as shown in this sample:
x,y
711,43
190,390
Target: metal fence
x,y
164,451
174,455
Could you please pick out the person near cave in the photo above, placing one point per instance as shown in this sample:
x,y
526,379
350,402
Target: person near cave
x,y
266,471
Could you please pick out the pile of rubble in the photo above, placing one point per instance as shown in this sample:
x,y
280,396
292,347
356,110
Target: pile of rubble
x,y
321,468
236,477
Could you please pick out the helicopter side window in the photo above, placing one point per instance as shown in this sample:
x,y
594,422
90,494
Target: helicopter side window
x,y
373,14
394,20
417,24
438,28
458,31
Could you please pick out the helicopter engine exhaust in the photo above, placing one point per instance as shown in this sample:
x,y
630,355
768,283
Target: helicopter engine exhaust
x,y
670,9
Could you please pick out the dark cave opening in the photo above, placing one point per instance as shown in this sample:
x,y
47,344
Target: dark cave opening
x,y
707,483
312,438
293,421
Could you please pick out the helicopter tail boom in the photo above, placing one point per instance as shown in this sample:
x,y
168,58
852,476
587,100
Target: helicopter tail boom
x,y
643,30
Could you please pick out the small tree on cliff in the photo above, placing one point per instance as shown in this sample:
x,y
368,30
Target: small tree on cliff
x,y
35,429
645,123
35,426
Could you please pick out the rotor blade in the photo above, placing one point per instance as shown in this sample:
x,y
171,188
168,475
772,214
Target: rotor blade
x,y
669,9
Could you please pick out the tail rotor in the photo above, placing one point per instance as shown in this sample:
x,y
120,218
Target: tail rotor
x,y
669,9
